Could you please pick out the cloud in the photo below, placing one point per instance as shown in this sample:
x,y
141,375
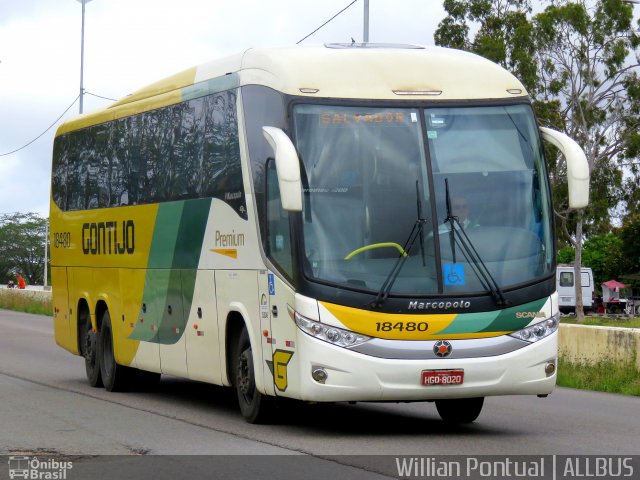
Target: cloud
x,y
129,44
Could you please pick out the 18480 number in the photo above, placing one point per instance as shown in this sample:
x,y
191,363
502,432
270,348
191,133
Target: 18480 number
x,y
62,240
402,326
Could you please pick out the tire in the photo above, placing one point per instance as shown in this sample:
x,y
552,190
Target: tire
x,y
253,405
89,350
116,378
460,410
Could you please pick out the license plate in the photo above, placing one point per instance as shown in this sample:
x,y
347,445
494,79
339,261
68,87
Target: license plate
x,y
442,377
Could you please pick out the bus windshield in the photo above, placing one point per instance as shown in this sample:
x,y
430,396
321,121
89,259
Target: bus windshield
x,y
373,175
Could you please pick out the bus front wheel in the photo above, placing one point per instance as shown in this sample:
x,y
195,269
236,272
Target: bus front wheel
x,y
459,410
253,405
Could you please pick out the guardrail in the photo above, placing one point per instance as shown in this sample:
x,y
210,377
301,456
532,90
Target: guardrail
x,y
590,344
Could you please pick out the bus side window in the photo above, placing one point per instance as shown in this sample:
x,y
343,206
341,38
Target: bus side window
x,y
278,233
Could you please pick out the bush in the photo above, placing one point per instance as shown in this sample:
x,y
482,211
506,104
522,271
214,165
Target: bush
x,y
25,301
603,376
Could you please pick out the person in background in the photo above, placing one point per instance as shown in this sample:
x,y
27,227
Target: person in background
x,y
21,283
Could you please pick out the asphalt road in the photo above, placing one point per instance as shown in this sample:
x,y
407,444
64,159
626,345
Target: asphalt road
x,y
46,406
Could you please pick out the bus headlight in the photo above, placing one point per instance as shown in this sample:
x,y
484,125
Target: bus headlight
x,y
536,332
330,334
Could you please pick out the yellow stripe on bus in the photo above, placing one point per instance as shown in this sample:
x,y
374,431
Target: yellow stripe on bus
x,y
398,326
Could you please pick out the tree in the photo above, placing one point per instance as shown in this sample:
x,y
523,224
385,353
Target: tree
x,y
630,237
586,70
22,242
503,33
585,83
604,254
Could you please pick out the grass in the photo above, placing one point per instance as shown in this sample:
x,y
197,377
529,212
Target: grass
x,y
604,376
633,322
25,301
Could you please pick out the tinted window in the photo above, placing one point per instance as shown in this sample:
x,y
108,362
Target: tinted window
x,y
182,151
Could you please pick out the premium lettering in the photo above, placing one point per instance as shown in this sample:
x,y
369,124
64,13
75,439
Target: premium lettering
x,y
232,239
108,238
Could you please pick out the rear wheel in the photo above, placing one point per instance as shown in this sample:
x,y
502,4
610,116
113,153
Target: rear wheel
x,y
254,406
460,410
115,377
89,349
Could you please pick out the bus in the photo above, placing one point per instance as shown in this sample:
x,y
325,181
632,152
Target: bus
x,y
290,222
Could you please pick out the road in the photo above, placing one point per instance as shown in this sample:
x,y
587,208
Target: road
x,y
47,406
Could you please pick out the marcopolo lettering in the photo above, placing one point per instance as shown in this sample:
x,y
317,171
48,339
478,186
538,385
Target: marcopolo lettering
x,y
108,238
442,305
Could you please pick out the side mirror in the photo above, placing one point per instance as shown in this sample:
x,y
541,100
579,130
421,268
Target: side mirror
x,y
287,167
577,166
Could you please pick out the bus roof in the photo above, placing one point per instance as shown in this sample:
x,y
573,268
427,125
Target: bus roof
x,y
349,71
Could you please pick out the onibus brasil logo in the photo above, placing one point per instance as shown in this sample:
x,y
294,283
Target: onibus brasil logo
x,y
35,469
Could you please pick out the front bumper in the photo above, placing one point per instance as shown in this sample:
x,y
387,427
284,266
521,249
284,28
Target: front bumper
x,y
354,376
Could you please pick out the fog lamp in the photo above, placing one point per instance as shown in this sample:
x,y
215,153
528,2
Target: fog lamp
x,y
319,374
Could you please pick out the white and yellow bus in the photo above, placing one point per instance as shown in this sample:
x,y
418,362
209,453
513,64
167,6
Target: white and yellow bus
x,y
328,223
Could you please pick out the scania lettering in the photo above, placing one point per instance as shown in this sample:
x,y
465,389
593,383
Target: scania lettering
x,y
267,223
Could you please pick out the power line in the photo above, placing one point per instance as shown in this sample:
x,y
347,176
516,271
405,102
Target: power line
x,y
48,128
99,96
304,38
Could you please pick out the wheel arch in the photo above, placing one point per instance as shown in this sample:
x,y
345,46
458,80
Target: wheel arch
x,y
83,313
234,324
101,307
236,320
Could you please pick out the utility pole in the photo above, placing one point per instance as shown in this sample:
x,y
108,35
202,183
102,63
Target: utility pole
x,y
365,37
83,2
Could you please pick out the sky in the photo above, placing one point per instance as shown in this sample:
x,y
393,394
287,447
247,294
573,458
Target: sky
x,y
131,43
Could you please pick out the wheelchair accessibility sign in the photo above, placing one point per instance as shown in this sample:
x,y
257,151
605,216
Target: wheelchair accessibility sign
x,y
453,274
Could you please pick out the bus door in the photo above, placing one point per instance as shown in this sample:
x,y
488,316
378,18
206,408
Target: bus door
x,y
279,246
266,337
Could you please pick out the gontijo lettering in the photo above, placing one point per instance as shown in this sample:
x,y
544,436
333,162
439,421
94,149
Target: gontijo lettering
x,y
108,238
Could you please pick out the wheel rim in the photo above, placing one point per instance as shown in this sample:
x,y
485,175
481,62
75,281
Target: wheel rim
x,y
90,348
245,380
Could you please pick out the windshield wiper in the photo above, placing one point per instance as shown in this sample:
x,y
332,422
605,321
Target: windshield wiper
x,y
416,231
419,201
471,254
